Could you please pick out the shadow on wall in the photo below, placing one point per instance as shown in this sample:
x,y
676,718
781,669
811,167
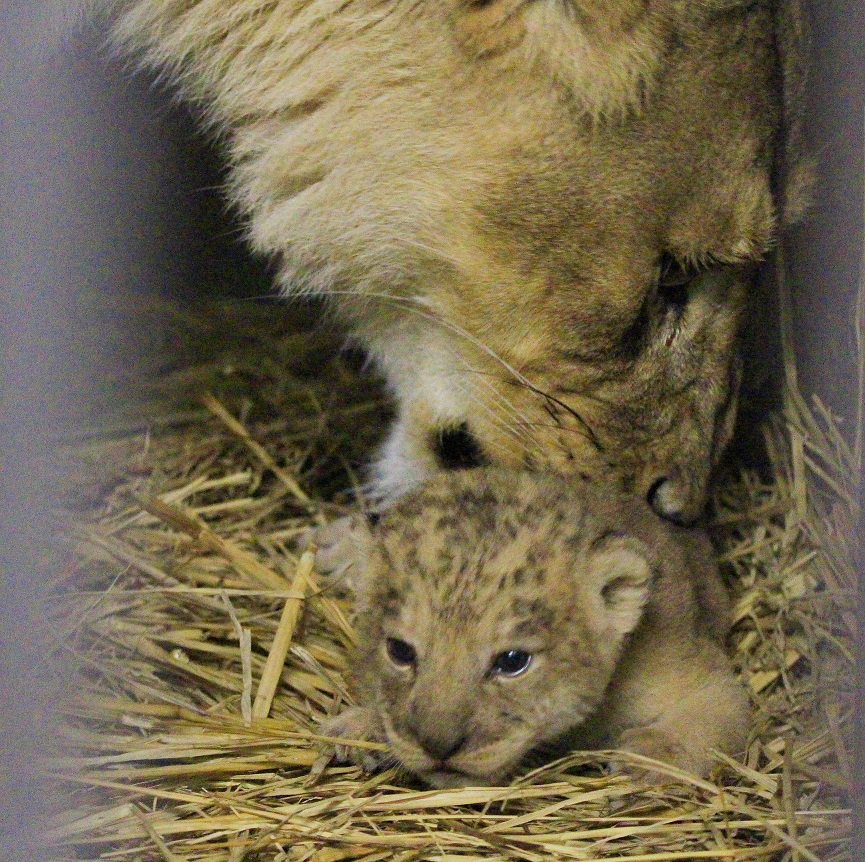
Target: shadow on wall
x,y
116,198
107,199
825,254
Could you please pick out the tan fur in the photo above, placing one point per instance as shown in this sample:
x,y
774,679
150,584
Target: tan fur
x,y
624,617
487,191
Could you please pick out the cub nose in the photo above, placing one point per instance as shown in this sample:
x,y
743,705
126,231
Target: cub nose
x,y
676,501
441,745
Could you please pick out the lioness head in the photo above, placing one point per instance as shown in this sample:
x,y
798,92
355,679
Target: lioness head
x,y
644,397
596,275
540,216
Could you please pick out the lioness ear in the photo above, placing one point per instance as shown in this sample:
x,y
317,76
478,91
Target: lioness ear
x,y
620,573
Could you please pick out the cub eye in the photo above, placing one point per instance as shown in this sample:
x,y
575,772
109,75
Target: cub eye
x,y
402,654
511,663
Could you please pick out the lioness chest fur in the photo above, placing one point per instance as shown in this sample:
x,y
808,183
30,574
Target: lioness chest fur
x,y
538,216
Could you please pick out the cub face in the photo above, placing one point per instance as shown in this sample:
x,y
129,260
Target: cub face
x,y
480,640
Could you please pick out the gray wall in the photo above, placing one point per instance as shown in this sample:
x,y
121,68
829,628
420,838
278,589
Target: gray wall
x,y
825,254
104,200
102,196
827,259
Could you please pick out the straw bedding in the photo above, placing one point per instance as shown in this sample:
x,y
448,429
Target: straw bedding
x,y
204,649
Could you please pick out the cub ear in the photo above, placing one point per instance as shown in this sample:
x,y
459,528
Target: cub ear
x,y
619,571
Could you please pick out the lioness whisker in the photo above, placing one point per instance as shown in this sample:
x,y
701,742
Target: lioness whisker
x,y
421,309
517,429
552,401
522,422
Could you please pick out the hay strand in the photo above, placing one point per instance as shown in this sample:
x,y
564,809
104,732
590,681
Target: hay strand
x,y
282,639
213,405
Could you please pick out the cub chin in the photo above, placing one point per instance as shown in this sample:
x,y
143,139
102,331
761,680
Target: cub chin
x,y
498,611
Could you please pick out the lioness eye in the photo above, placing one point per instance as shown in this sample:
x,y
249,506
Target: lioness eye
x,y
511,663
673,282
401,653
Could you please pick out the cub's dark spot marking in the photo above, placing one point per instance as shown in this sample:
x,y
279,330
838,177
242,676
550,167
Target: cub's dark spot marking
x,y
458,449
445,559
534,611
391,601
411,560
412,536
446,523
372,518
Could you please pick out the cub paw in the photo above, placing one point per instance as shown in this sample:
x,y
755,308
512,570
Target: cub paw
x,y
357,724
657,744
336,555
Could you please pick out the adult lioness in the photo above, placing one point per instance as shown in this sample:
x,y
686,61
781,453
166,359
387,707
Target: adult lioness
x,y
539,216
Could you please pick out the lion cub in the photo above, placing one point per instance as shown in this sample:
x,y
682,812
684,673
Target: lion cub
x,y
500,610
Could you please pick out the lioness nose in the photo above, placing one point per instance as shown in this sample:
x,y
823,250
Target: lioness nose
x,y
675,501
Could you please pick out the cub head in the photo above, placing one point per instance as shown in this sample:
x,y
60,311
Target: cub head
x,y
488,623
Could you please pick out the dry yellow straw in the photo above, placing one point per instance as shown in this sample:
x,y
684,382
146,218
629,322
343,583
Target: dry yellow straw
x,y
163,766
262,454
244,638
282,640
185,521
